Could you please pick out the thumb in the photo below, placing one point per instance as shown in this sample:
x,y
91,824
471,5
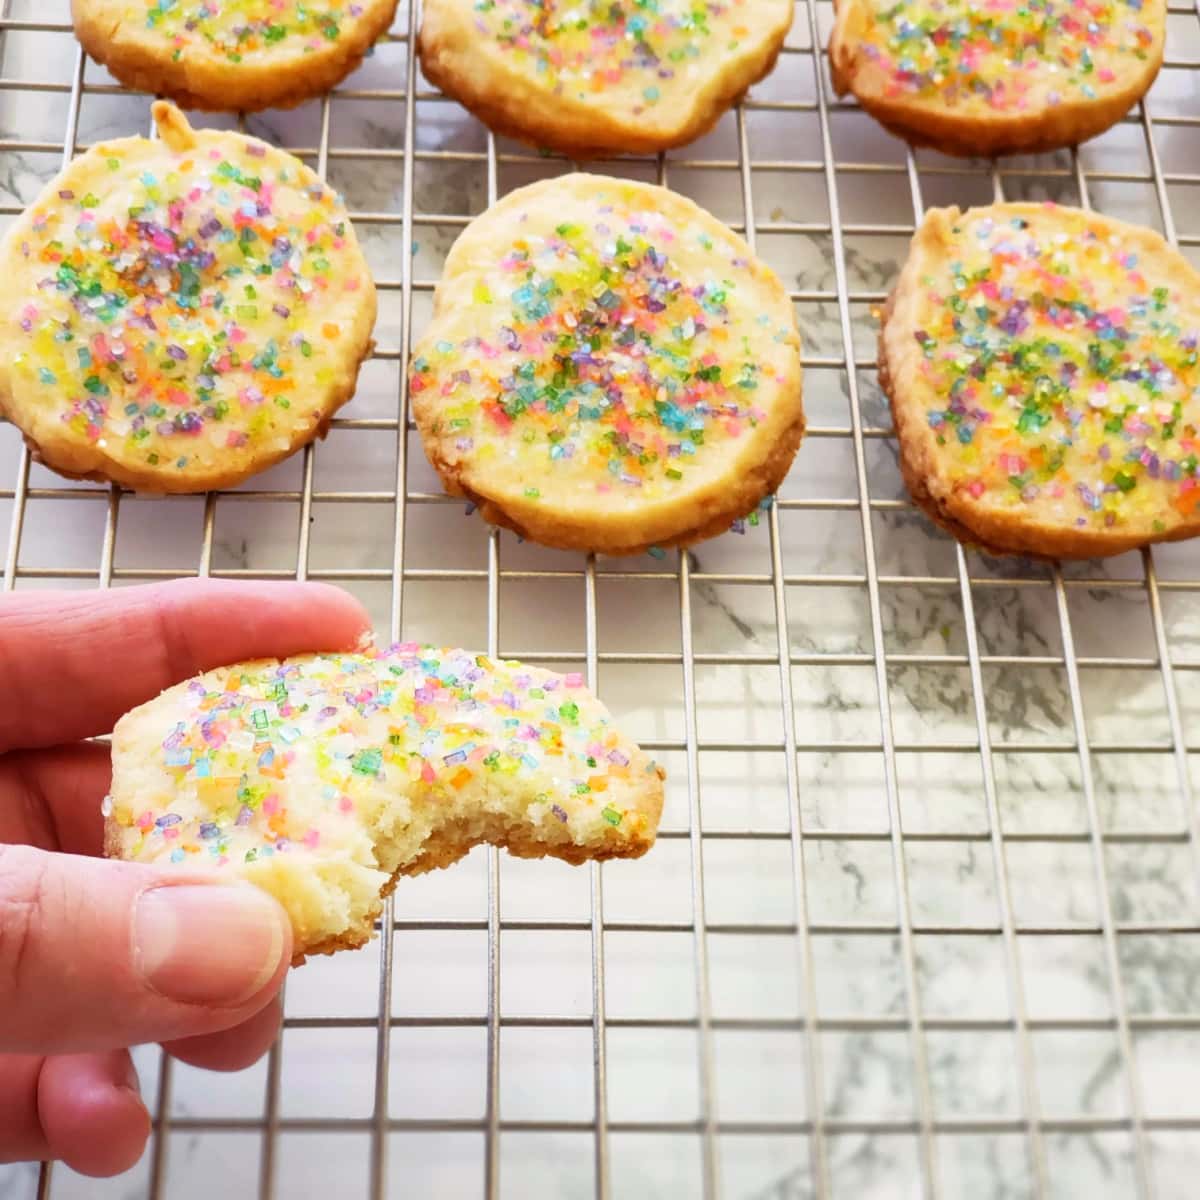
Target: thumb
x,y
97,954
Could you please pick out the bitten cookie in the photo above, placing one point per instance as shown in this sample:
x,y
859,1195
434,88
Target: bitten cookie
x,y
324,778
608,368
1042,369
179,314
997,78
231,55
598,78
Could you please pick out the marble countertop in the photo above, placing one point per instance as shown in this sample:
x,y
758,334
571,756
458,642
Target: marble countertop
x,y
757,992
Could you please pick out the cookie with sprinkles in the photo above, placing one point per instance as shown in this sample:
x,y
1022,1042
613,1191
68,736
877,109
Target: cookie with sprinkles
x,y
1002,77
180,313
324,778
608,368
231,55
597,78
1042,366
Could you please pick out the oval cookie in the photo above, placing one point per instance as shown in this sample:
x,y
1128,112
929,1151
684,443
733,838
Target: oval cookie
x,y
180,313
608,368
1042,369
600,78
997,78
323,778
231,55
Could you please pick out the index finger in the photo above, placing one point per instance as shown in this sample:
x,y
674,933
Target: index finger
x,y
71,663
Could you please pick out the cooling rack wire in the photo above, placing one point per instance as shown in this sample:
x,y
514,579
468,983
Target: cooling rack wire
x,y
801,1122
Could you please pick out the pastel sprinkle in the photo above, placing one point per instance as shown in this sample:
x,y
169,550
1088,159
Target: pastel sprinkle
x,y
1062,373
613,354
596,47
239,29
164,308
446,718
1007,56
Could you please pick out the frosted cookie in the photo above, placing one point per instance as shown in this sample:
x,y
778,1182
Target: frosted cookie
x,y
596,77
608,368
1003,77
1042,369
231,54
180,313
324,778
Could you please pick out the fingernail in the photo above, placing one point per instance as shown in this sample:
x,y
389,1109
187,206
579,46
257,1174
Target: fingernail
x,y
207,944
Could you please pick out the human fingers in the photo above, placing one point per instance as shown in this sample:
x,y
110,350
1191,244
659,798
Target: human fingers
x,y
51,798
85,1109
92,1112
97,954
76,661
231,1049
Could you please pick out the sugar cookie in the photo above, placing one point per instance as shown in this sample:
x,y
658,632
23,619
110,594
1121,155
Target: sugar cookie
x,y
231,55
608,368
1004,77
324,778
1042,369
595,77
180,313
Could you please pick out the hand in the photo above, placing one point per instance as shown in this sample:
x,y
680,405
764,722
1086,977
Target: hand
x,y
96,956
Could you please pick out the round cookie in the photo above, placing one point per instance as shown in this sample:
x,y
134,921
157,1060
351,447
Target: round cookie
x,y
180,313
608,368
231,55
597,78
1043,373
997,78
324,778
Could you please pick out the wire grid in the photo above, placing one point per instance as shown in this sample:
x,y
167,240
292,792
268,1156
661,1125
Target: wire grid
x,y
1030,1127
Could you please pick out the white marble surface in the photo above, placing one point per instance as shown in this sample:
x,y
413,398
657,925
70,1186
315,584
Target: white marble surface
x,y
758,1075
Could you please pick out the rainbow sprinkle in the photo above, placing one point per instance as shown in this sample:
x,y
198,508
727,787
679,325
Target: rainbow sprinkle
x,y
608,360
1062,370
180,307
416,719
1003,55
237,29
596,47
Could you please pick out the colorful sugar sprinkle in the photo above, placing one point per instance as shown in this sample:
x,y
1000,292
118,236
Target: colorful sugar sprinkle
x,y
622,350
1006,56
169,317
630,52
239,29
414,719
1063,369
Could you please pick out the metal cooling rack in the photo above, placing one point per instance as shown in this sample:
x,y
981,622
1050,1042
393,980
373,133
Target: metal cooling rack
x,y
809,1135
